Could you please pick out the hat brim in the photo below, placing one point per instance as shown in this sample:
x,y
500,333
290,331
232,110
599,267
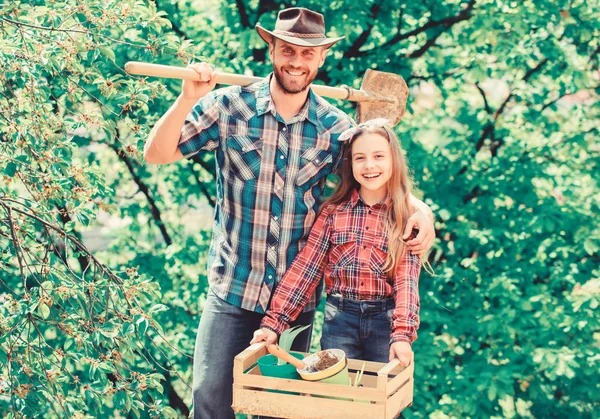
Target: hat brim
x,y
268,36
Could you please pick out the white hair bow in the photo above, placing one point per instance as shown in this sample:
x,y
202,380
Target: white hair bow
x,y
351,132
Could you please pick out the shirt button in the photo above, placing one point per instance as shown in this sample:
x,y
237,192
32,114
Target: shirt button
x,y
362,264
362,283
367,227
270,276
276,218
317,161
364,247
284,129
281,157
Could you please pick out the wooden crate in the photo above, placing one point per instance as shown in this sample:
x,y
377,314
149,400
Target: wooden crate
x,y
387,390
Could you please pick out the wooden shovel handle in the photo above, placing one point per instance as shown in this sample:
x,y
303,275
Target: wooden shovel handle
x,y
286,356
172,72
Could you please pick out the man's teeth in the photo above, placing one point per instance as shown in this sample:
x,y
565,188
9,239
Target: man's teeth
x,y
294,73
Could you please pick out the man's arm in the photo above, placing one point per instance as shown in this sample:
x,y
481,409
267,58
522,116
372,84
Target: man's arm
x,y
423,220
418,205
162,144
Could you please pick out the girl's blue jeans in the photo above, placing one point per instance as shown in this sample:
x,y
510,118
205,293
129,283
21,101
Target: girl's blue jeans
x,y
360,328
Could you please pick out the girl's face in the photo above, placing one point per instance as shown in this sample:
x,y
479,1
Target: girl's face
x,y
372,166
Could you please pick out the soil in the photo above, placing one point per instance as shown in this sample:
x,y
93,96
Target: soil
x,y
326,360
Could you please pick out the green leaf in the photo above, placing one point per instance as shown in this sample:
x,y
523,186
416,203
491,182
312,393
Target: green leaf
x,y
158,308
142,326
47,285
591,245
120,399
169,413
287,339
110,54
43,311
10,169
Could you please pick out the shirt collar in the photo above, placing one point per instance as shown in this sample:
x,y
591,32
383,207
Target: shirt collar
x,y
355,199
264,103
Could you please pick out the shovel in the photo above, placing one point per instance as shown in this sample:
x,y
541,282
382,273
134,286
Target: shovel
x,y
381,94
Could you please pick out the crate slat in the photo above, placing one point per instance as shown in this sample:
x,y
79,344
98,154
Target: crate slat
x,y
398,381
248,357
311,387
301,407
356,364
400,400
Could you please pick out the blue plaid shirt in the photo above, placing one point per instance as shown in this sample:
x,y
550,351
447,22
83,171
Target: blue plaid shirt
x,y
270,180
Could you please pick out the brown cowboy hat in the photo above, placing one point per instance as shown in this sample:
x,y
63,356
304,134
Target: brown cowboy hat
x,y
299,26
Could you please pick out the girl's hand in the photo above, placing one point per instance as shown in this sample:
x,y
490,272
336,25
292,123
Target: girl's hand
x,y
264,335
402,351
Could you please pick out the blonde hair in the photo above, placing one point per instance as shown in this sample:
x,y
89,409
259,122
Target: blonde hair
x,y
399,188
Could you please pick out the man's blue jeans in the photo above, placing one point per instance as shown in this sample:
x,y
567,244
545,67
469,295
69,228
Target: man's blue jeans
x,y
225,331
360,328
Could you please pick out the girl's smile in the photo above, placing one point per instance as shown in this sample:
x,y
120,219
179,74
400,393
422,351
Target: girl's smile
x,y
372,166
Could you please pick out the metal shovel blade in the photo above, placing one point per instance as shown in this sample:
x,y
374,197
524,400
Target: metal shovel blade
x,y
388,85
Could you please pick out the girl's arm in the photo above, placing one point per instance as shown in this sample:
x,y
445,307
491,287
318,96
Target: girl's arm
x,y
302,277
405,319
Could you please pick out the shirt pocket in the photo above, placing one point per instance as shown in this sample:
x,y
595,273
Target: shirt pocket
x,y
314,164
343,251
378,258
245,155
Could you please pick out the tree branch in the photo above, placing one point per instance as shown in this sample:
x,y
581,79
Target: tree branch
x,y
175,401
80,246
65,217
244,20
144,189
485,101
17,245
360,41
203,188
174,25
51,29
430,42
526,77
196,159
489,130
447,23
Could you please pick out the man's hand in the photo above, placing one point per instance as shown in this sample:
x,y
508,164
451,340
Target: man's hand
x,y
264,335
424,240
194,90
402,351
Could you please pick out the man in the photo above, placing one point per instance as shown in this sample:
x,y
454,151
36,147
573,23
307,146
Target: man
x,y
275,143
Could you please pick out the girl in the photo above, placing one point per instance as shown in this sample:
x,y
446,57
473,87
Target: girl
x,y
372,307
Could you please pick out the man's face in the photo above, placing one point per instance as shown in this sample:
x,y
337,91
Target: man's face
x,y
295,67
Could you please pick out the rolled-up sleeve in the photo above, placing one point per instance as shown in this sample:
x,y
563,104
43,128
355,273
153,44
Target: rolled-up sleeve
x,y
405,319
200,131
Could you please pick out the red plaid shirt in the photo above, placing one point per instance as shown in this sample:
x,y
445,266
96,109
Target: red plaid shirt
x,y
349,243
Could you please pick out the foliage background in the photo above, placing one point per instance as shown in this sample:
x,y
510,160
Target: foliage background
x,y
502,135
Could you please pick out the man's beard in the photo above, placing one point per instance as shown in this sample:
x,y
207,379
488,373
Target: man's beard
x,y
290,88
